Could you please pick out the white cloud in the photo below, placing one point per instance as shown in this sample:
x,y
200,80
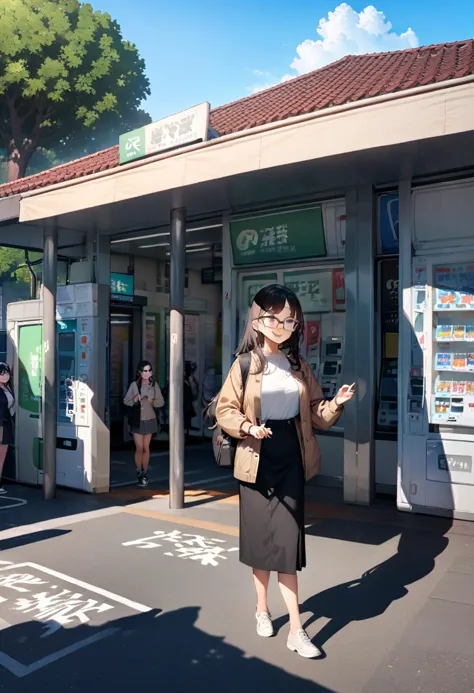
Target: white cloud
x,y
347,32
261,87
261,73
343,32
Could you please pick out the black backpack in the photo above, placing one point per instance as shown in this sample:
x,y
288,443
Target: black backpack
x,y
223,445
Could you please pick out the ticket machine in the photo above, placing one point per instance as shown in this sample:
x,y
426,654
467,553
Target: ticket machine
x,y
331,365
82,449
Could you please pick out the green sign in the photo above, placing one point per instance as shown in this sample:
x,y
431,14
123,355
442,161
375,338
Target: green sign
x,y
30,363
121,286
132,145
278,236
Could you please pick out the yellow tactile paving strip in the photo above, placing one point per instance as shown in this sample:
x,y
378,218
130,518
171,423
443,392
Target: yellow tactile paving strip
x,y
187,521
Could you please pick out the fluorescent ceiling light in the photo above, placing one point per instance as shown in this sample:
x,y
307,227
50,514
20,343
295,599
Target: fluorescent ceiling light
x,y
204,228
207,248
139,238
130,239
199,250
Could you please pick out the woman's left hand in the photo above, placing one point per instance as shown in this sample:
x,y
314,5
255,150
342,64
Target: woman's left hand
x,y
345,394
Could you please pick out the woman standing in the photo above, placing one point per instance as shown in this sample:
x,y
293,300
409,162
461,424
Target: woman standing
x,y
7,406
144,395
277,452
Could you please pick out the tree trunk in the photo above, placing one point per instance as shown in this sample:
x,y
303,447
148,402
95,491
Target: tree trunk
x,y
17,164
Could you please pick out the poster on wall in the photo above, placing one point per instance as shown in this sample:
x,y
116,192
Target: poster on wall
x,y
191,337
338,290
388,222
313,338
313,288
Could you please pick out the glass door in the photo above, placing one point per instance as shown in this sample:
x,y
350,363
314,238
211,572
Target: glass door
x,y
121,369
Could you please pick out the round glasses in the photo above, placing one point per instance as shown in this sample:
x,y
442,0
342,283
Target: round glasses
x,y
273,323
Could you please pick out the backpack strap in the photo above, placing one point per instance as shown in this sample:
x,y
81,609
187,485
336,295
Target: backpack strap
x,y
245,361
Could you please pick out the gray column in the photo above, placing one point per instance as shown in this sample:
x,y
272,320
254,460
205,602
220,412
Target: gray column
x,y
228,300
359,352
50,397
176,419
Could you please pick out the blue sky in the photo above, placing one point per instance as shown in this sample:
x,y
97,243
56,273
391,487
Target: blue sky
x,y
203,50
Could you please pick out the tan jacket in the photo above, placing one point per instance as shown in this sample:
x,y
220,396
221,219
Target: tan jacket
x,y
236,420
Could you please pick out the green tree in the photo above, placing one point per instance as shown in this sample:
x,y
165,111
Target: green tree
x,y
69,82
13,264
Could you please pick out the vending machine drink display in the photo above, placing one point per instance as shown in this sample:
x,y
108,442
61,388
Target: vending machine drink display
x,y
450,377
437,471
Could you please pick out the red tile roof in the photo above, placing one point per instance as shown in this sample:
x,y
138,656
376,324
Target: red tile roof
x,y
353,78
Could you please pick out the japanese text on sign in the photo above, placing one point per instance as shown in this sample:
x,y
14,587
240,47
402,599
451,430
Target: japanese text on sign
x,y
174,131
279,235
187,546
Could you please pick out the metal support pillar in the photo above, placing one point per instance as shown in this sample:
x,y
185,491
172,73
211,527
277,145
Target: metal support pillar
x,y
359,351
50,397
176,418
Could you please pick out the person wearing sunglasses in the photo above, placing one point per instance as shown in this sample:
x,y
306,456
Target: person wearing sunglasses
x,y
7,406
273,418
144,397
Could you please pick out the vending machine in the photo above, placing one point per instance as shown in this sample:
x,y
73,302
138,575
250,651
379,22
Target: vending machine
x,y
82,443
436,461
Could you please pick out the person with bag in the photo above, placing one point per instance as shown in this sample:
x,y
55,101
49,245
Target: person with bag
x,y
270,410
143,398
7,407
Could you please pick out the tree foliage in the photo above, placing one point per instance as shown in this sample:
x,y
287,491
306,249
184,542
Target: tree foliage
x,y
69,82
13,266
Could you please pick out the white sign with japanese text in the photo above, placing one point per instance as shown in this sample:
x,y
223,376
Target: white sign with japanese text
x,y
178,130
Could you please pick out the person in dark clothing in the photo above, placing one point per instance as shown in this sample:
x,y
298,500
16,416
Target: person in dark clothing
x,y
7,406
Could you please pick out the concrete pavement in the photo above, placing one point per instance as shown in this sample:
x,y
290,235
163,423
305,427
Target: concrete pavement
x,y
118,591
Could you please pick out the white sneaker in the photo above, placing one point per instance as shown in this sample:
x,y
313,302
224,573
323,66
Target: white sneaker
x,y
299,642
3,491
264,625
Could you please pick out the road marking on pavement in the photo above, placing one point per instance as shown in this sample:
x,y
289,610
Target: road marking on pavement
x,y
18,502
85,585
21,670
57,609
187,521
208,551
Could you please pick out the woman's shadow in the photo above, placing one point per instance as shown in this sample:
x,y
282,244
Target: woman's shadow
x,y
371,594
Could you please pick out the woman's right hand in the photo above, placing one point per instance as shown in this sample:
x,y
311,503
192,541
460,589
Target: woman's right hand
x,y
136,398
259,432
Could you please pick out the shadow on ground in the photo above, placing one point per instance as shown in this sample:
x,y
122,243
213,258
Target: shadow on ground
x,y
146,652
370,595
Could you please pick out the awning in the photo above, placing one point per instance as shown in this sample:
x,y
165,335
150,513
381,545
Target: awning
x,y
424,115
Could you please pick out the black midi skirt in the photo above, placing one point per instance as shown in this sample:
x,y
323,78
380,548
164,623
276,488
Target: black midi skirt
x,y
272,510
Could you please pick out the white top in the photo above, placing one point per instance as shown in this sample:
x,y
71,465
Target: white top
x,y
10,400
280,397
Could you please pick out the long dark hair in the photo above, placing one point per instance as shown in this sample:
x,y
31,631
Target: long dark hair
x,y
272,299
5,368
138,374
